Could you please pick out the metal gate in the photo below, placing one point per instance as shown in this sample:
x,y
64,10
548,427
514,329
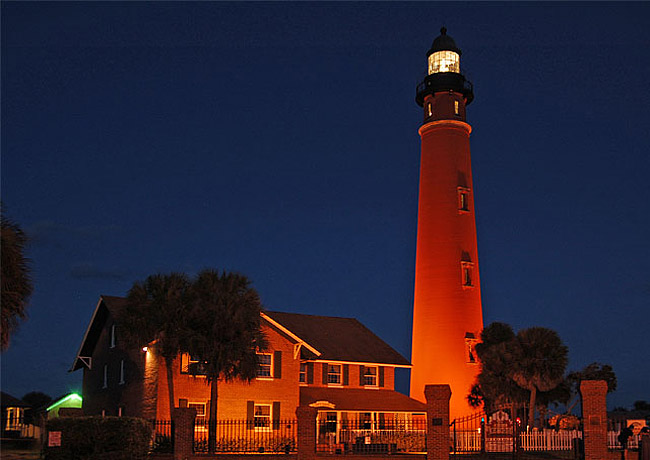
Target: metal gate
x,y
499,435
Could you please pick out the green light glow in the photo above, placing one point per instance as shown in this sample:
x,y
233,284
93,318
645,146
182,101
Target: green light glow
x,y
73,396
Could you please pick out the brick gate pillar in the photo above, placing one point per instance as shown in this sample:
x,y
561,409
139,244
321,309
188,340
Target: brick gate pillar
x,y
594,418
183,418
438,440
306,432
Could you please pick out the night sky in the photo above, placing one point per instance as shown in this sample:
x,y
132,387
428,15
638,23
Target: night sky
x,y
280,140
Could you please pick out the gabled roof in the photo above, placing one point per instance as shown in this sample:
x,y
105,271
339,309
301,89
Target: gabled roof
x,y
339,339
107,305
327,338
357,399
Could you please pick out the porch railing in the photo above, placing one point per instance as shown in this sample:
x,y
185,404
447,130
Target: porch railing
x,y
359,437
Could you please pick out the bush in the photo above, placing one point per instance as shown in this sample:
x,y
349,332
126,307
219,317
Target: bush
x,y
100,438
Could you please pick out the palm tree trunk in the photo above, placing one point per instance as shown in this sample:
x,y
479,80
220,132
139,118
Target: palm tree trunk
x,y
531,407
212,423
169,364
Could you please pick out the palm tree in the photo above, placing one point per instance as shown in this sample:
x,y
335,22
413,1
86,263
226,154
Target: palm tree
x,y
16,280
540,359
494,386
226,334
157,311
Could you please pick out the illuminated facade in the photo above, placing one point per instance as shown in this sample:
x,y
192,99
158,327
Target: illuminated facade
x,y
334,364
447,316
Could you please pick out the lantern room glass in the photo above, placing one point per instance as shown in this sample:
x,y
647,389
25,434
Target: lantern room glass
x,y
444,61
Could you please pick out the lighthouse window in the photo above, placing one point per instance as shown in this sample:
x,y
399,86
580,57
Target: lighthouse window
x,y
456,107
429,109
467,272
470,343
463,199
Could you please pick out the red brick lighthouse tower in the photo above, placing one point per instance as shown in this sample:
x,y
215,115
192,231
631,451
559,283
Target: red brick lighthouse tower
x,y
447,315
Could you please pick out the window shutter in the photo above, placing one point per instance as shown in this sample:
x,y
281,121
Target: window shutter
x,y
362,370
277,364
276,415
310,373
381,376
346,374
250,415
324,373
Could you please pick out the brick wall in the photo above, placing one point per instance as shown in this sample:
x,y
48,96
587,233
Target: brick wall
x,y
594,418
126,394
437,397
234,396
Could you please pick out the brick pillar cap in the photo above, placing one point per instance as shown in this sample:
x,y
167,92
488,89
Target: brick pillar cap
x,y
183,412
302,411
593,386
437,392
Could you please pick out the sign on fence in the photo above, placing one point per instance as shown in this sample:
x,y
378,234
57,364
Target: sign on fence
x,y
54,439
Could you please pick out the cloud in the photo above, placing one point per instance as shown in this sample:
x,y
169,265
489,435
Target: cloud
x,y
91,271
47,232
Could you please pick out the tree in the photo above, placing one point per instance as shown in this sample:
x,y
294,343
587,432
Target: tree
x,y
539,362
157,311
226,335
494,386
16,279
37,401
593,371
641,405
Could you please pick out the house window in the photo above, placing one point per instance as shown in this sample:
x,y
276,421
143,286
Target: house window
x,y
370,376
113,336
456,107
334,374
192,365
105,385
262,417
122,372
103,413
303,373
463,199
467,272
120,411
264,365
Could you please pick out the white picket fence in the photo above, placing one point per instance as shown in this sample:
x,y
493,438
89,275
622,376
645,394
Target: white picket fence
x,y
548,439
539,440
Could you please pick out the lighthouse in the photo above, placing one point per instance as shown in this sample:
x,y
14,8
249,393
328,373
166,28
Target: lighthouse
x,y
447,316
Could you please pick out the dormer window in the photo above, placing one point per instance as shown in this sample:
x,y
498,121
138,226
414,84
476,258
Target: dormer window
x,y
444,61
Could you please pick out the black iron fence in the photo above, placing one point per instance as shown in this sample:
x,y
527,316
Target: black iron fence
x,y
500,433
247,436
163,436
371,436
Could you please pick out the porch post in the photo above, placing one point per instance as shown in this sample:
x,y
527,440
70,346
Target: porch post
x,y
438,440
594,418
183,419
306,432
